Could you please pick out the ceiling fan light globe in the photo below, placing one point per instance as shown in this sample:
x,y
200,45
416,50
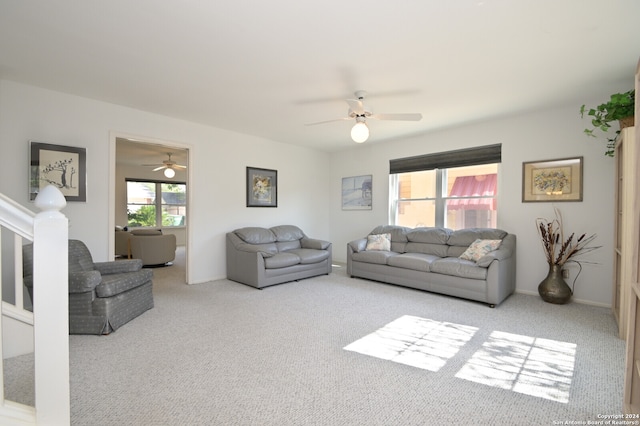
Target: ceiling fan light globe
x,y
360,132
169,172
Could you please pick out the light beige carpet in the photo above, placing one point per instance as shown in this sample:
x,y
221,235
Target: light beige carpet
x,y
333,350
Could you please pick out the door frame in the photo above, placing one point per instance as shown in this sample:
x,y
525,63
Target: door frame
x,y
113,135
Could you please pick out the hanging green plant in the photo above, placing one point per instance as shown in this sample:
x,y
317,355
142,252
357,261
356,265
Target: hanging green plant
x,y
619,108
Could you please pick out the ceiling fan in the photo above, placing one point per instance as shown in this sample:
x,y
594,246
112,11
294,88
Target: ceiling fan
x,y
168,165
359,112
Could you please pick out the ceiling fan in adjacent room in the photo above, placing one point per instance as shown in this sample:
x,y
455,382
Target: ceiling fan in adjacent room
x,y
359,112
168,166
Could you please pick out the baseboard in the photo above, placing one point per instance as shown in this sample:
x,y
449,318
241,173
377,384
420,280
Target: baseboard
x,y
581,301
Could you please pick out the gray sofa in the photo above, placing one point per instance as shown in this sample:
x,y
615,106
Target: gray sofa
x,y
429,259
261,257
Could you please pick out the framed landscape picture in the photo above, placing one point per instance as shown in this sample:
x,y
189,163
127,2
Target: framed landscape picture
x,y
65,167
262,187
552,180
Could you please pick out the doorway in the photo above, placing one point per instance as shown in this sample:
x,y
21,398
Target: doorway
x,y
158,164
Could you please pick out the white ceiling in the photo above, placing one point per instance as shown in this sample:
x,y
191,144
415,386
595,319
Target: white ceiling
x,y
135,153
268,67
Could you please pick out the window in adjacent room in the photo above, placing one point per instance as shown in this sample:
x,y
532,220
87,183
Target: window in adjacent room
x,y
156,204
455,189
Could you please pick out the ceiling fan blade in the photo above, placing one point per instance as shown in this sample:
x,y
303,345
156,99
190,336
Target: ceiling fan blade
x,y
402,117
356,106
179,166
329,121
160,168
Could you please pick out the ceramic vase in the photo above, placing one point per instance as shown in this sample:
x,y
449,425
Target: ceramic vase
x,y
553,288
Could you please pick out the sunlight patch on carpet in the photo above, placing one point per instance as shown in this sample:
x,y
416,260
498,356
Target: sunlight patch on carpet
x,y
538,367
415,341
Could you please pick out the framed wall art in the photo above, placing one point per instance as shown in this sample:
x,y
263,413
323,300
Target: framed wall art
x,y
262,187
357,192
65,167
552,180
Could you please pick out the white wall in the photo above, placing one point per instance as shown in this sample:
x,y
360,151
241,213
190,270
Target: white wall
x,y
305,198
217,164
535,136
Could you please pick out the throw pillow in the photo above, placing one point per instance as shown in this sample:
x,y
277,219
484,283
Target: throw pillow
x,y
479,248
381,242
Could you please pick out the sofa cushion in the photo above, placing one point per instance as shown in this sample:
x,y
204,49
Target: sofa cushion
x,y
480,248
379,242
375,256
281,260
458,268
266,249
255,235
287,233
429,235
415,261
440,250
464,237
398,233
288,245
310,255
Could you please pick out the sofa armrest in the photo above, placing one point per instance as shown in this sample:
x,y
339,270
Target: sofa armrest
x,y
354,246
84,281
486,260
118,266
505,251
358,245
501,272
312,243
245,263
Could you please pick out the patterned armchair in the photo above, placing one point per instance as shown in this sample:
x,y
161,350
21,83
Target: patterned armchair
x,y
102,296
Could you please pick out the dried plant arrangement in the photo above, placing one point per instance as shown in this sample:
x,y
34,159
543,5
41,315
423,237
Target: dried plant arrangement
x,y
559,250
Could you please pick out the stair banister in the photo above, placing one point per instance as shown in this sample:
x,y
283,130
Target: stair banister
x,y
48,230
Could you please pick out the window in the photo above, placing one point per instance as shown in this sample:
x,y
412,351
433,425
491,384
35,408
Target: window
x,y
456,189
156,204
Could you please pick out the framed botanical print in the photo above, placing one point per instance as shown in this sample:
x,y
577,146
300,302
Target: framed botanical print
x,y
262,187
552,180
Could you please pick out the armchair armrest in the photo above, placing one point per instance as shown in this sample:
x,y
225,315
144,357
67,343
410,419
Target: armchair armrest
x,y
118,266
83,282
313,243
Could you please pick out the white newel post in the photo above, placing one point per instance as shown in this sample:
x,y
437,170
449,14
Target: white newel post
x,y
51,309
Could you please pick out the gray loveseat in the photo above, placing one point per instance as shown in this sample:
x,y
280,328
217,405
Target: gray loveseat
x,y
429,259
261,257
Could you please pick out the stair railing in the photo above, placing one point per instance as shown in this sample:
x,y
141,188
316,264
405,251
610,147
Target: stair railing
x,y
48,230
